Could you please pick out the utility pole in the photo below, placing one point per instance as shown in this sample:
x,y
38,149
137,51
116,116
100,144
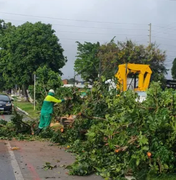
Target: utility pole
x,y
150,34
34,88
99,73
74,78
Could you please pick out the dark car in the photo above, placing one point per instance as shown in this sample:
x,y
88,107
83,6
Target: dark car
x,y
5,103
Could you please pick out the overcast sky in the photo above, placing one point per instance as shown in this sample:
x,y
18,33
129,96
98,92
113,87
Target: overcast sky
x,y
99,20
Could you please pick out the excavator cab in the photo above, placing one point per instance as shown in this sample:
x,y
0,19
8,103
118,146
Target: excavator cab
x,y
142,71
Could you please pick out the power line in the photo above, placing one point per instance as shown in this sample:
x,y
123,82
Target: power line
x,y
64,19
167,45
164,38
106,33
99,33
86,27
78,39
164,32
89,27
102,33
165,29
119,23
114,33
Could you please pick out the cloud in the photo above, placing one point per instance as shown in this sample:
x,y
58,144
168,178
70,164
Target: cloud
x,y
99,20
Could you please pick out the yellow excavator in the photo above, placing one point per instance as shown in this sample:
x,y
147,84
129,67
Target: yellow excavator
x,y
143,72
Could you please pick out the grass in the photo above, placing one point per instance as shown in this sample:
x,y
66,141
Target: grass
x,y
28,107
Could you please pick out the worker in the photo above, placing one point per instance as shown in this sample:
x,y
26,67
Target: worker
x,y
47,110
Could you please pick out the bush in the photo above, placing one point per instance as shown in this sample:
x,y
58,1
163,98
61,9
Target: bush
x,y
137,138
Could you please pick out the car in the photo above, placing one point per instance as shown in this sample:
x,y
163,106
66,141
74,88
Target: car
x,y
5,103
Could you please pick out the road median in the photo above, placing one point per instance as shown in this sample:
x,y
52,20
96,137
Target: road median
x,y
26,108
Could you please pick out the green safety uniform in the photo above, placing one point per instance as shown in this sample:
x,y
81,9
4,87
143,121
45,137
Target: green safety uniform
x,y
47,110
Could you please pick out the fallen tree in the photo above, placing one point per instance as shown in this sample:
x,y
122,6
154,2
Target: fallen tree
x,y
114,135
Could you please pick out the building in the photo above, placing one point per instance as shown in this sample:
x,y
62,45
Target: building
x,y
65,81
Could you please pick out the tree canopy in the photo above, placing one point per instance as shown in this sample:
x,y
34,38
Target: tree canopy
x,y
174,69
4,29
26,48
87,62
110,55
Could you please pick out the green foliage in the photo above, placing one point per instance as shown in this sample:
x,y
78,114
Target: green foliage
x,y
46,79
17,128
94,59
119,144
163,177
108,55
174,69
74,132
4,29
3,122
20,126
26,48
114,142
70,106
7,131
87,62
49,166
114,135
128,52
46,133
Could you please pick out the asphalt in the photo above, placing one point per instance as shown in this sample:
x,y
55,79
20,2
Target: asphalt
x,y
6,170
30,159
7,117
27,162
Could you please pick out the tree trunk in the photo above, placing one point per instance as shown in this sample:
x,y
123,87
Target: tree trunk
x,y
25,94
9,91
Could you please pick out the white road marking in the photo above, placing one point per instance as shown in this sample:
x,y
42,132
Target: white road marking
x,y
16,169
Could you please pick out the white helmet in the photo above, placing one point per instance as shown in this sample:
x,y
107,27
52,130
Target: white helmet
x,y
51,91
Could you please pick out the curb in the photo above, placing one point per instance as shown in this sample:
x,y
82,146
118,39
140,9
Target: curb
x,y
22,111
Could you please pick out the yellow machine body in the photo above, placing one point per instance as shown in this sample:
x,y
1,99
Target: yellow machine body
x,y
144,74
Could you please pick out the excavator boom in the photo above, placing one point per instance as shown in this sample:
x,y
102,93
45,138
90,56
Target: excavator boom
x,y
142,70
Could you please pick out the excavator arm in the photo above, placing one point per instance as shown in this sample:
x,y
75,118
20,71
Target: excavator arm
x,y
142,70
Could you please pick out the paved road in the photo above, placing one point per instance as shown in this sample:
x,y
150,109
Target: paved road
x,y
27,162
6,170
7,117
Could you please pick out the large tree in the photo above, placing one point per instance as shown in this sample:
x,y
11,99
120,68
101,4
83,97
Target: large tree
x,y
174,69
108,55
4,29
112,54
26,48
87,62
152,55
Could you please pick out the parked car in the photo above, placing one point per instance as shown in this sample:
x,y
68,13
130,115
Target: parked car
x,y
5,103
